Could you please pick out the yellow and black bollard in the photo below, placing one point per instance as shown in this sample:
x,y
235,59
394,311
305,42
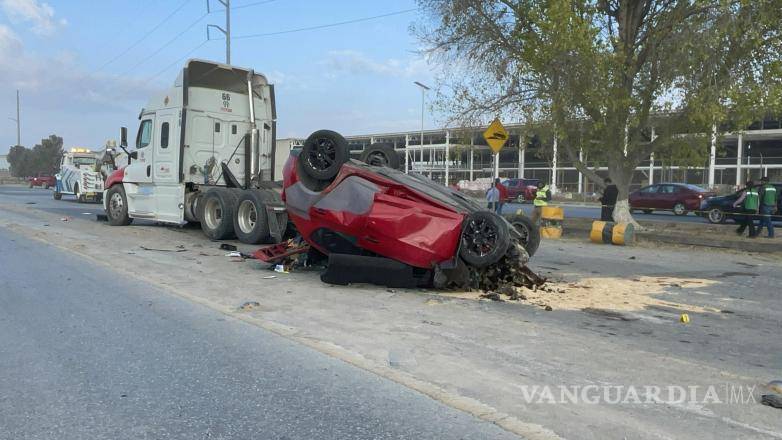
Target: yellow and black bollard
x,y
551,218
616,233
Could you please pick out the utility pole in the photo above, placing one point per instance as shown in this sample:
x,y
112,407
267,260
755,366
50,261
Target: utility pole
x,y
18,128
423,106
226,31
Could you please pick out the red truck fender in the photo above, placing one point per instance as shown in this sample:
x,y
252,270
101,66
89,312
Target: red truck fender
x,y
114,178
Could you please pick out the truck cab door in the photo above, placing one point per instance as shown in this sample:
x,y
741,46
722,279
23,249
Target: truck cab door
x,y
169,193
138,182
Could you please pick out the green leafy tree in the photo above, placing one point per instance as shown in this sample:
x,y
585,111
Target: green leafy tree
x,y
600,73
43,158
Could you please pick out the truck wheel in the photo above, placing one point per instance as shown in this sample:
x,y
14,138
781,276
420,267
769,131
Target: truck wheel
x,y
323,154
381,155
250,222
57,195
117,206
485,239
530,234
216,213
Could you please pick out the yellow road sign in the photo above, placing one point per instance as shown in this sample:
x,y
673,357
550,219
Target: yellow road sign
x,y
496,135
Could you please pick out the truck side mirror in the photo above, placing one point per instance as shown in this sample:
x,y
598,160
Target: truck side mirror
x,y
123,136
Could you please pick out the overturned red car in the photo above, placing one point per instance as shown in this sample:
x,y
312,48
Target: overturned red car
x,y
344,206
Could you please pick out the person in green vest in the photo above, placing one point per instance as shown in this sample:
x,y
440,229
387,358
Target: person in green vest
x,y
542,197
769,198
748,203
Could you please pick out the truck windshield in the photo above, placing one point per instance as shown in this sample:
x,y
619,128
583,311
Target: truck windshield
x,y
88,161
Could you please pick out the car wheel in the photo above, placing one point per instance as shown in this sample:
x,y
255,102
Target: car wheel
x,y
679,209
323,154
648,211
520,199
381,155
216,213
485,239
117,206
716,216
530,234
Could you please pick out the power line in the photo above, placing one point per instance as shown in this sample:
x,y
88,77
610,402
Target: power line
x,y
144,37
178,60
233,8
322,26
147,57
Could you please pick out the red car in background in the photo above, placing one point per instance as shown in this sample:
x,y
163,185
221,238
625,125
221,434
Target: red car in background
x,y
43,180
520,190
679,198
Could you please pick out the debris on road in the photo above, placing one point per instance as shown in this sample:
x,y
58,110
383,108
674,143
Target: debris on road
x,y
179,248
249,305
228,247
684,318
65,219
772,400
775,386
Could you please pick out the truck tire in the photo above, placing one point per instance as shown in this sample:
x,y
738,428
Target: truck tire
x,y
530,234
485,239
381,155
216,212
116,206
323,154
251,223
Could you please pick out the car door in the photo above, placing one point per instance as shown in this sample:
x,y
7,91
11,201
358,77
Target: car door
x,y
140,188
666,197
645,198
169,193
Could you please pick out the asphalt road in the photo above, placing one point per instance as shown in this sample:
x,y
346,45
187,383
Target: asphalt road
x,y
89,354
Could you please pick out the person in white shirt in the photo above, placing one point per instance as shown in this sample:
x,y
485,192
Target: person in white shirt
x,y
493,197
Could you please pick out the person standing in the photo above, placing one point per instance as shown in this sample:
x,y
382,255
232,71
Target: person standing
x,y
542,196
503,194
749,202
768,205
492,197
608,200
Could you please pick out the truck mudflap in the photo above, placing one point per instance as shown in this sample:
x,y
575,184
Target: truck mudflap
x,y
276,214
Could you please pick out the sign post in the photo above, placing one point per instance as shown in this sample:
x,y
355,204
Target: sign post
x,y
496,136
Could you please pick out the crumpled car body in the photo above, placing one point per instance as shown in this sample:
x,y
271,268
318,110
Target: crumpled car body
x,y
378,211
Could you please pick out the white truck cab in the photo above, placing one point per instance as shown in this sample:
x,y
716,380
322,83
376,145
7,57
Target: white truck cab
x,y
204,152
78,176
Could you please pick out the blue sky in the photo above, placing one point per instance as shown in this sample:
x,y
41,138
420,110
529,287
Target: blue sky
x,y
354,78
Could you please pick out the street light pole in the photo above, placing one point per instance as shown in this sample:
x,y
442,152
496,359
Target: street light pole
x,y
18,128
423,101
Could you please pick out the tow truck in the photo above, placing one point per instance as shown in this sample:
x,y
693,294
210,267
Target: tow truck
x,y
204,152
78,176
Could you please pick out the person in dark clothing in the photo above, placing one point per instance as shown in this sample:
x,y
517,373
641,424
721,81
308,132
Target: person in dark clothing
x,y
768,206
608,201
748,202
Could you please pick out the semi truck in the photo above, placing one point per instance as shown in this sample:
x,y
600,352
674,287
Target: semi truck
x,y
204,152
78,176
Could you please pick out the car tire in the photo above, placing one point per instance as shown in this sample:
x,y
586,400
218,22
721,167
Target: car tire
x,y
530,234
485,239
648,211
519,199
117,206
679,209
716,216
216,213
381,155
323,154
251,223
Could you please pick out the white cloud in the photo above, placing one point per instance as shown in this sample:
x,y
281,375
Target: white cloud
x,y
40,15
357,63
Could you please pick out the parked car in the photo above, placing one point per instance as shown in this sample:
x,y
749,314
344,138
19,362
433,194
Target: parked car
x,y
720,209
43,180
344,206
521,190
680,198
